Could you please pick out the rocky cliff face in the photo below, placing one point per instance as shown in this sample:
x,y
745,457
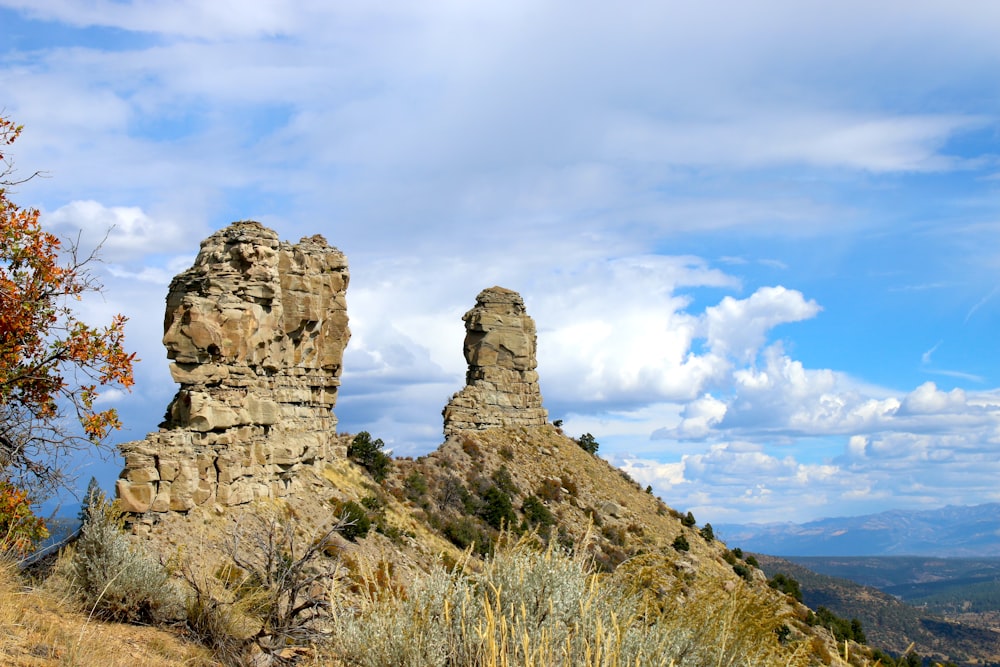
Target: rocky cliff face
x,y
256,330
501,383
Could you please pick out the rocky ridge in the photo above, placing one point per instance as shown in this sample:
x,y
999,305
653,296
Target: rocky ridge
x,y
256,330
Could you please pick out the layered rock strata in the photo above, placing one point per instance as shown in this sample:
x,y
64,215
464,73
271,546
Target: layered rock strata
x,y
256,330
501,383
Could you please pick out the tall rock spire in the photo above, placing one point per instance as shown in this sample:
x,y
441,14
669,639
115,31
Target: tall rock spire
x,y
256,329
501,383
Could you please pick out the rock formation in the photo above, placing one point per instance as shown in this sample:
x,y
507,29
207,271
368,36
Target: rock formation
x,y
256,330
501,383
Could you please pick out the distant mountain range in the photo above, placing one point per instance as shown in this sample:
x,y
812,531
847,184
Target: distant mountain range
x,y
949,532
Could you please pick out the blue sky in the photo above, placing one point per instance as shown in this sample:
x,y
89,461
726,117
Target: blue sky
x,y
759,240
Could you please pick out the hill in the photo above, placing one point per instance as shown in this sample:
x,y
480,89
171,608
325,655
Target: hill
x,y
887,621
948,532
258,529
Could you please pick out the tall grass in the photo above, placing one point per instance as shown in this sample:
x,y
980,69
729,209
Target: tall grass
x,y
544,608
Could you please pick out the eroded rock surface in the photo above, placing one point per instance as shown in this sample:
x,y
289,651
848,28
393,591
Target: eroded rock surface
x,y
501,383
256,330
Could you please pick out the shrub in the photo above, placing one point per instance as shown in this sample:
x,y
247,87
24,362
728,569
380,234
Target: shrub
x,y
550,489
464,532
20,529
502,478
471,447
506,453
681,543
529,607
588,443
369,455
536,513
272,595
840,627
707,532
355,521
744,571
688,520
566,482
451,493
497,508
115,579
415,486
786,585
614,534
752,561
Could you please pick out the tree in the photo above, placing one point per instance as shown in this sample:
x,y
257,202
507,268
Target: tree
x,y
51,362
369,455
20,529
588,443
708,533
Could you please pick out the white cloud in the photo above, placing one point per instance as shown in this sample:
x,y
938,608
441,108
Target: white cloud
x,y
122,233
927,399
738,327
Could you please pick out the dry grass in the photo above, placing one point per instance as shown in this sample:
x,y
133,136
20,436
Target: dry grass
x,y
38,629
533,608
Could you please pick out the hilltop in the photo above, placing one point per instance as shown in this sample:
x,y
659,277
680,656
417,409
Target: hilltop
x,y
511,542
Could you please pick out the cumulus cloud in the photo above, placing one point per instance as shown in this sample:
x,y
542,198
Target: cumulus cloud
x,y
559,153
738,327
122,233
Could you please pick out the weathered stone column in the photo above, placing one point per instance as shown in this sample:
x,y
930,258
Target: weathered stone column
x,y
501,383
256,330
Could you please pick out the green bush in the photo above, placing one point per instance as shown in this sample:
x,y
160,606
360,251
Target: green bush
x,y
465,532
588,443
415,486
369,455
688,520
115,579
708,533
502,478
497,509
356,521
786,585
681,543
840,627
536,513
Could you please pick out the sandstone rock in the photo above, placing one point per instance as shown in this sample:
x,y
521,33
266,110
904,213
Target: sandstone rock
x,y
501,383
256,330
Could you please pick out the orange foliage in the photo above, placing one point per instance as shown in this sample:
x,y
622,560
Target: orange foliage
x,y
20,529
48,358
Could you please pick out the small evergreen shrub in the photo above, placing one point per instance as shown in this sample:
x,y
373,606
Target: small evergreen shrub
x,y
369,455
707,533
688,521
536,513
503,480
465,532
681,543
588,443
415,486
497,509
356,521
786,585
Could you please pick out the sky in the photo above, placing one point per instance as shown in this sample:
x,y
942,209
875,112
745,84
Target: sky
x,y
760,241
